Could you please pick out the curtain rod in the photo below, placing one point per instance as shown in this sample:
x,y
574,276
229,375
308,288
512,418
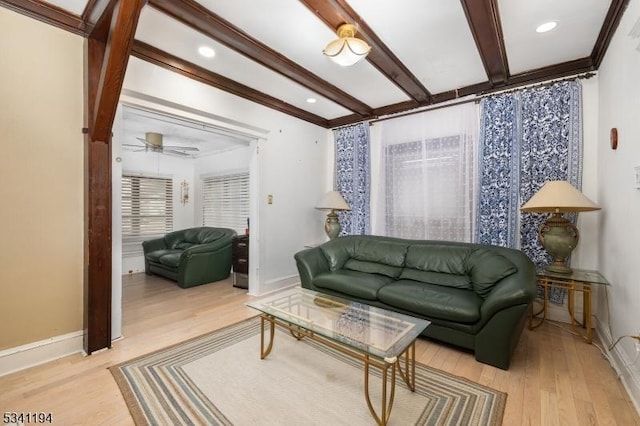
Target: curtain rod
x,y
479,97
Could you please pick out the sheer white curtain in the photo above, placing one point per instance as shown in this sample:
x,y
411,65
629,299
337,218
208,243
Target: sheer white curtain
x,y
427,174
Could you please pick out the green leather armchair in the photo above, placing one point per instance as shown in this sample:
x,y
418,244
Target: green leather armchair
x,y
191,256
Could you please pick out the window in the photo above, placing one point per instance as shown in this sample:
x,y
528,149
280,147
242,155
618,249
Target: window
x,y
226,201
147,210
429,191
428,174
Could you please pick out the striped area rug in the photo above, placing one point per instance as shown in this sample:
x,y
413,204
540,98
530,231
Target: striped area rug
x,y
219,379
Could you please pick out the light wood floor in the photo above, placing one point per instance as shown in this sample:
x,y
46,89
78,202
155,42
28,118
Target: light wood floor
x,y
555,378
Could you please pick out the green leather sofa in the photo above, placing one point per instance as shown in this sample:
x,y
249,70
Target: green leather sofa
x,y
476,296
191,256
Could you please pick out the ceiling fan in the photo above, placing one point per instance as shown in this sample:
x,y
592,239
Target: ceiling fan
x,y
153,142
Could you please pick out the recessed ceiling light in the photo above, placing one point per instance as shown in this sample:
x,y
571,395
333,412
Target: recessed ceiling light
x,y
312,100
547,26
206,51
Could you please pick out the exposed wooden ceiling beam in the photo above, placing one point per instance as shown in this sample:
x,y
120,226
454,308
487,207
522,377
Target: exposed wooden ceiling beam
x,y
484,22
94,12
201,19
611,21
173,63
48,13
336,12
118,47
564,69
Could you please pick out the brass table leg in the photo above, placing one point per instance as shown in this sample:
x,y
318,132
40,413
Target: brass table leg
x,y
272,325
586,312
409,372
386,401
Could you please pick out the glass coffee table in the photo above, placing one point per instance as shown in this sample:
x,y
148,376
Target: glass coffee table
x,y
380,338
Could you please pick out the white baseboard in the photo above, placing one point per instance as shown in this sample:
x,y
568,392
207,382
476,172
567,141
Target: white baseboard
x,y
627,373
36,353
277,284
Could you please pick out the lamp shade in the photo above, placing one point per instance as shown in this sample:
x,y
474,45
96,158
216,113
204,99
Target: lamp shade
x,y
333,200
347,50
559,196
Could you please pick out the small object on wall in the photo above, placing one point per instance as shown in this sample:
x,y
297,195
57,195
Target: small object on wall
x,y
184,192
637,169
613,138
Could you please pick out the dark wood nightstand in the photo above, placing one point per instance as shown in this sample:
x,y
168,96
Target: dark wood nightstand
x,y
240,247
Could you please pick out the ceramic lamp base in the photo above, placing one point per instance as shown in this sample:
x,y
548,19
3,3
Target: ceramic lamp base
x,y
332,225
558,237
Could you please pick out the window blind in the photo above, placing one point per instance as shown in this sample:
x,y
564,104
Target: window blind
x,y
147,210
226,201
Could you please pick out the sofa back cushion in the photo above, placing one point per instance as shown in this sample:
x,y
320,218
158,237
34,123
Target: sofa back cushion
x,y
190,237
470,268
439,278
202,235
373,268
365,250
438,264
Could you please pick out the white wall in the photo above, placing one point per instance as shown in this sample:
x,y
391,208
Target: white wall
x,y
619,227
290,165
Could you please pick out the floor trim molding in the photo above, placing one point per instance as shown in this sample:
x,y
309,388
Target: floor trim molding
x,y
628,376
36,353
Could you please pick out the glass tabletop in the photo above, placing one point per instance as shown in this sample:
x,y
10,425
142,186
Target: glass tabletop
x,y
376,331
583,275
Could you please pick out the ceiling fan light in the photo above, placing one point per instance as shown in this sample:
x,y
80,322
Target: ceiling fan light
x,y
347,50
154,139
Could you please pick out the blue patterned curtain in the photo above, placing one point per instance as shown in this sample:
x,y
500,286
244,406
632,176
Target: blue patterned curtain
x,y
499,157
527,138
551,149
353,177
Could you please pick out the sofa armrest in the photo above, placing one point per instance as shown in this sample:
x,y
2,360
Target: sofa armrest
x,y
516,289
152,245
310,262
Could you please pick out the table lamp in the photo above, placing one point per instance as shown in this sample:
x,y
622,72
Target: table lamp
x,y
557,234
332,201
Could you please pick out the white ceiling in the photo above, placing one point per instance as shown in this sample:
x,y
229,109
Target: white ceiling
x,y
432,39
177,132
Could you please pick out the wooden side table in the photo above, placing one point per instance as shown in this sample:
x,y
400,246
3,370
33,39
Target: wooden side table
x,y
579,280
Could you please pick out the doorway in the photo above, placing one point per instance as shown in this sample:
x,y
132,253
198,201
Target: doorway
x,y
192,147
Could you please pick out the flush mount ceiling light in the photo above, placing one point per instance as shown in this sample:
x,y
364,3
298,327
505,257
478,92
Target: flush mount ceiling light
x,y
206,51
547,26
347,50
312,100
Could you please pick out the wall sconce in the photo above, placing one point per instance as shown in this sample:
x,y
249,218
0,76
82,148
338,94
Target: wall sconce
x,y
184,192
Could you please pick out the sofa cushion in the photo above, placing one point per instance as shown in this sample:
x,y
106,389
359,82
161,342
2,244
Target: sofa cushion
x,y
171,260
433,301
438,258
372,268
155,255
439,278
340,250
202,235
385,252
353,283
487,268
184,245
